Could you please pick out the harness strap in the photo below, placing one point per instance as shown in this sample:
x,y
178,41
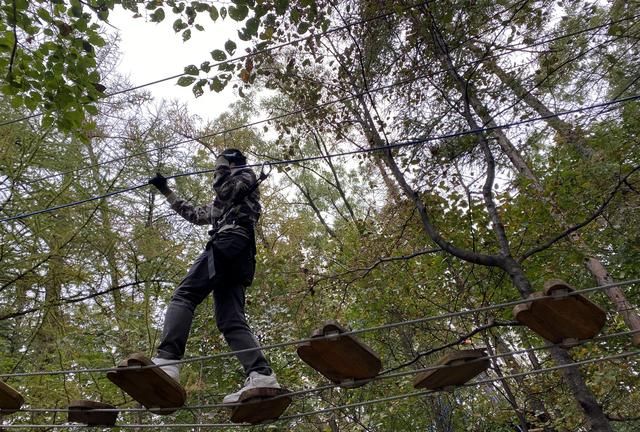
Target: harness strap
x,y
241,197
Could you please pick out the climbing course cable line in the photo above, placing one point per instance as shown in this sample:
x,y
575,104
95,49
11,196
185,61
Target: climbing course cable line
x,y
472,384
314,107
246,56
357,382
351,332
391,398
334,155
337,29
402,396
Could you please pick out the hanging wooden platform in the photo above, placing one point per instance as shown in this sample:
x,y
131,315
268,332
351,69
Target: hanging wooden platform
x,y
10,399
344,360
152,387
81,411
261,405
560,318
464,365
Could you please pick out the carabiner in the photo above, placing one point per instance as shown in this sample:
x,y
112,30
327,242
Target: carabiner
x,y
264,174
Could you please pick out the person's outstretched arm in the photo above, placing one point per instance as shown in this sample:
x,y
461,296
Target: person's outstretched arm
x,y
199,215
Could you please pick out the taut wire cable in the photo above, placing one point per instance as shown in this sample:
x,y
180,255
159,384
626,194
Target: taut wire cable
x,y
378,377
352,405
314,107
347,153
351,332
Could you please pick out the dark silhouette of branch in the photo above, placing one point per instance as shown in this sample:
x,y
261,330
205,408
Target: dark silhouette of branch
x,y
582,224
366,270
15,41
71,300
490,324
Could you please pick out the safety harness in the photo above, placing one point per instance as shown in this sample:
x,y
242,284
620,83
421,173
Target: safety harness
x,y
222,225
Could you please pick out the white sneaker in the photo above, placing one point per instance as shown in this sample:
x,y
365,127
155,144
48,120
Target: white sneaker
x,y
173,370
254,380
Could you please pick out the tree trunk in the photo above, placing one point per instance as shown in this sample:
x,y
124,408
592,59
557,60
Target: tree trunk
x,y
538,410
565,130
616,295
586,400
593,413
577,141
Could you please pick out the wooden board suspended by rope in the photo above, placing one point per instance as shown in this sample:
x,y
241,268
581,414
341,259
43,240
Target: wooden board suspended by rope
x,y
462,366
260,405
84,411
10,399
343,359
558,317
152,387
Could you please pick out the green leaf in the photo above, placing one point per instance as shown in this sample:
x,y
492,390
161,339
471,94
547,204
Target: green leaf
x,y
223,12
157,15
186,81
252,26
216,85
205,66
295,16
281,6
76,11
191,70
230,46
244,35
218,55
303,27
213,13
268,33
197,88
186,35
44,14
92,109
179,25
74,117
201,7
238,13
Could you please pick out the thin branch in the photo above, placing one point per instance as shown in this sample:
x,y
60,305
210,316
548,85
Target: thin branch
x,y
15,41
71,300
490,324
582,224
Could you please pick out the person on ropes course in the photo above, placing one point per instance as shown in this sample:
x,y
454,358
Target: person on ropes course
x,y
225,268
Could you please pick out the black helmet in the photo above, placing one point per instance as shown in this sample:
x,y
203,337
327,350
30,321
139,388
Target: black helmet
x,y
234,156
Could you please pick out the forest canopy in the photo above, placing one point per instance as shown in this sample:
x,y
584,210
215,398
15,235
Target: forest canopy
x,y
433,165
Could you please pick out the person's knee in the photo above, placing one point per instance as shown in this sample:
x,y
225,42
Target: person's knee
x,y
185,299
228,326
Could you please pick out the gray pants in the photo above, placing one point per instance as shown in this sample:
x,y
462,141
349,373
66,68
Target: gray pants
x,y
229,301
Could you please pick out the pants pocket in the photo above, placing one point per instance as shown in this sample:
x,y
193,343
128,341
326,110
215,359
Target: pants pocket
x,y
234,257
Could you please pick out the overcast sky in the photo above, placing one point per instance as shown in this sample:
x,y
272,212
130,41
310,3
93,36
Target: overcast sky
x,y
152,51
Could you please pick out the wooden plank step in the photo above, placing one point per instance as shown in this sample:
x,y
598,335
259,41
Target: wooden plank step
x,y
464,365
558,317
343,359
10,399
81,411
261,405
151,387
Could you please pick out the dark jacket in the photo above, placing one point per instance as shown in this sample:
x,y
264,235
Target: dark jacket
x,y
228,185
232,216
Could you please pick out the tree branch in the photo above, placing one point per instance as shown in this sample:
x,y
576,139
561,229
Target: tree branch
x,y
490,324
582,224
71,300
15,41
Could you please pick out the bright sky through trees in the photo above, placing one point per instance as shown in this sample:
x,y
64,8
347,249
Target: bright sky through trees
x,y
152,51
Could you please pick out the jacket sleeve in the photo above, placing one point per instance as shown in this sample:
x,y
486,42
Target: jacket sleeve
x,y
199,215
231,183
